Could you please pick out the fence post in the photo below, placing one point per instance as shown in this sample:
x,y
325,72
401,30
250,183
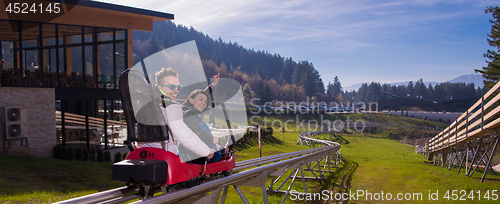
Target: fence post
x,y
260,149
467,124
456,130
482,112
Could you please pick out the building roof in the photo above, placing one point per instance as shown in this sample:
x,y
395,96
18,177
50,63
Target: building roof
x,y
158,16
91,13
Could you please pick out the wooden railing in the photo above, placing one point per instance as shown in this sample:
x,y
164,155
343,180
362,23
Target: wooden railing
x,y
480,119
75,119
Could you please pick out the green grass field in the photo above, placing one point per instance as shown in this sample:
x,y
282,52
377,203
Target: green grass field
x,y
390,167
372,163
41,180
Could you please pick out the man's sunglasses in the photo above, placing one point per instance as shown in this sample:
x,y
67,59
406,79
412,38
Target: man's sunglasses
x,y
172,87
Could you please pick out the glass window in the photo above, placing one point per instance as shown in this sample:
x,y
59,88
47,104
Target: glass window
x,y
76,39
75,67
63,77
105,34
71,34
105,65
30,34
30,61
49,36
120,35
31,73
88,34
120,61
49,72
49,60
29,43
89,67
7,55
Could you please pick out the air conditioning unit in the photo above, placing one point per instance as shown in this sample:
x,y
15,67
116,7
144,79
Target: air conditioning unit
x,y
14,122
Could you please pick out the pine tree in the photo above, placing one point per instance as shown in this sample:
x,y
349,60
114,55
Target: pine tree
x,y
419,89
337,86
288,68
491,73
264,92
334,89
361,95
153,45
430,91
409,89
329,89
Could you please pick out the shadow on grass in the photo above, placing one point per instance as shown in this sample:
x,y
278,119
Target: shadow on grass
x,y
342,140
341,182
267,140
338,182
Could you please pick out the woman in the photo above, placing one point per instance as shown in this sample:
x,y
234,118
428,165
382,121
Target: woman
x,y
194,105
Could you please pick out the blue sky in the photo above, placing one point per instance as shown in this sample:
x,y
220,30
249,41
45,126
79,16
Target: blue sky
x,y
356,40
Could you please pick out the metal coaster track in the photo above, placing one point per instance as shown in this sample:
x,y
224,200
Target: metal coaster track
x,y
318,159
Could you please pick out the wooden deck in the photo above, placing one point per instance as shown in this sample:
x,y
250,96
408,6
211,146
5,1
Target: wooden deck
x,y
479,120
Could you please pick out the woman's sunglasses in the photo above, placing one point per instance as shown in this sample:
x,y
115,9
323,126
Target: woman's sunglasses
x,y
172,86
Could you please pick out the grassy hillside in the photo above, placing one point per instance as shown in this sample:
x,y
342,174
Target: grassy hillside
x,y
372,162
378,125
390,167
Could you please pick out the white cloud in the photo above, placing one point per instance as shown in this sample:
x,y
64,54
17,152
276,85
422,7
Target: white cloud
x,y
328,28
292,20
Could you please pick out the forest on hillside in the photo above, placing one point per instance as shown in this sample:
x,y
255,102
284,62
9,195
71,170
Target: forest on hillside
x,y
444,91
262,74
272,77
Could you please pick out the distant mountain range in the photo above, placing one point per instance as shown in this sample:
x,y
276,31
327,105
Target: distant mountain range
x,y
477,79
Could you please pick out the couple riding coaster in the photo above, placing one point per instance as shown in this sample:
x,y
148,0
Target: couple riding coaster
x,y
150,167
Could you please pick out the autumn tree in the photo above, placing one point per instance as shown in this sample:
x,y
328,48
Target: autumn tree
x,y
248,94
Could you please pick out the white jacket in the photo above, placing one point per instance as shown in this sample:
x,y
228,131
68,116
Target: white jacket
x,y
181,132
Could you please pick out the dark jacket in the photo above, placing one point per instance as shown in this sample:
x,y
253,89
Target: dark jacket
x,y
193,119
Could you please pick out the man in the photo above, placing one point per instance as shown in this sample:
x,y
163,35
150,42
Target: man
x,y
169,85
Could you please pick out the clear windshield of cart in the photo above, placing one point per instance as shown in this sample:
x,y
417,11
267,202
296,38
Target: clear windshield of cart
x,y
226,113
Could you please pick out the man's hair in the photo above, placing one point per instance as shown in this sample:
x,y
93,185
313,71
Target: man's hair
x,y
163,73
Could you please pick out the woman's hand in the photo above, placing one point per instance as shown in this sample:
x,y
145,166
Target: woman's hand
x,y
216,79
212,151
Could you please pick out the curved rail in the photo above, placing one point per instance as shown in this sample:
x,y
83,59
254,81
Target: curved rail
x,y
307,137
261,168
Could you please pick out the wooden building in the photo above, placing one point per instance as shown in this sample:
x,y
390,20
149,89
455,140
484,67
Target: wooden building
x,y
62,69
